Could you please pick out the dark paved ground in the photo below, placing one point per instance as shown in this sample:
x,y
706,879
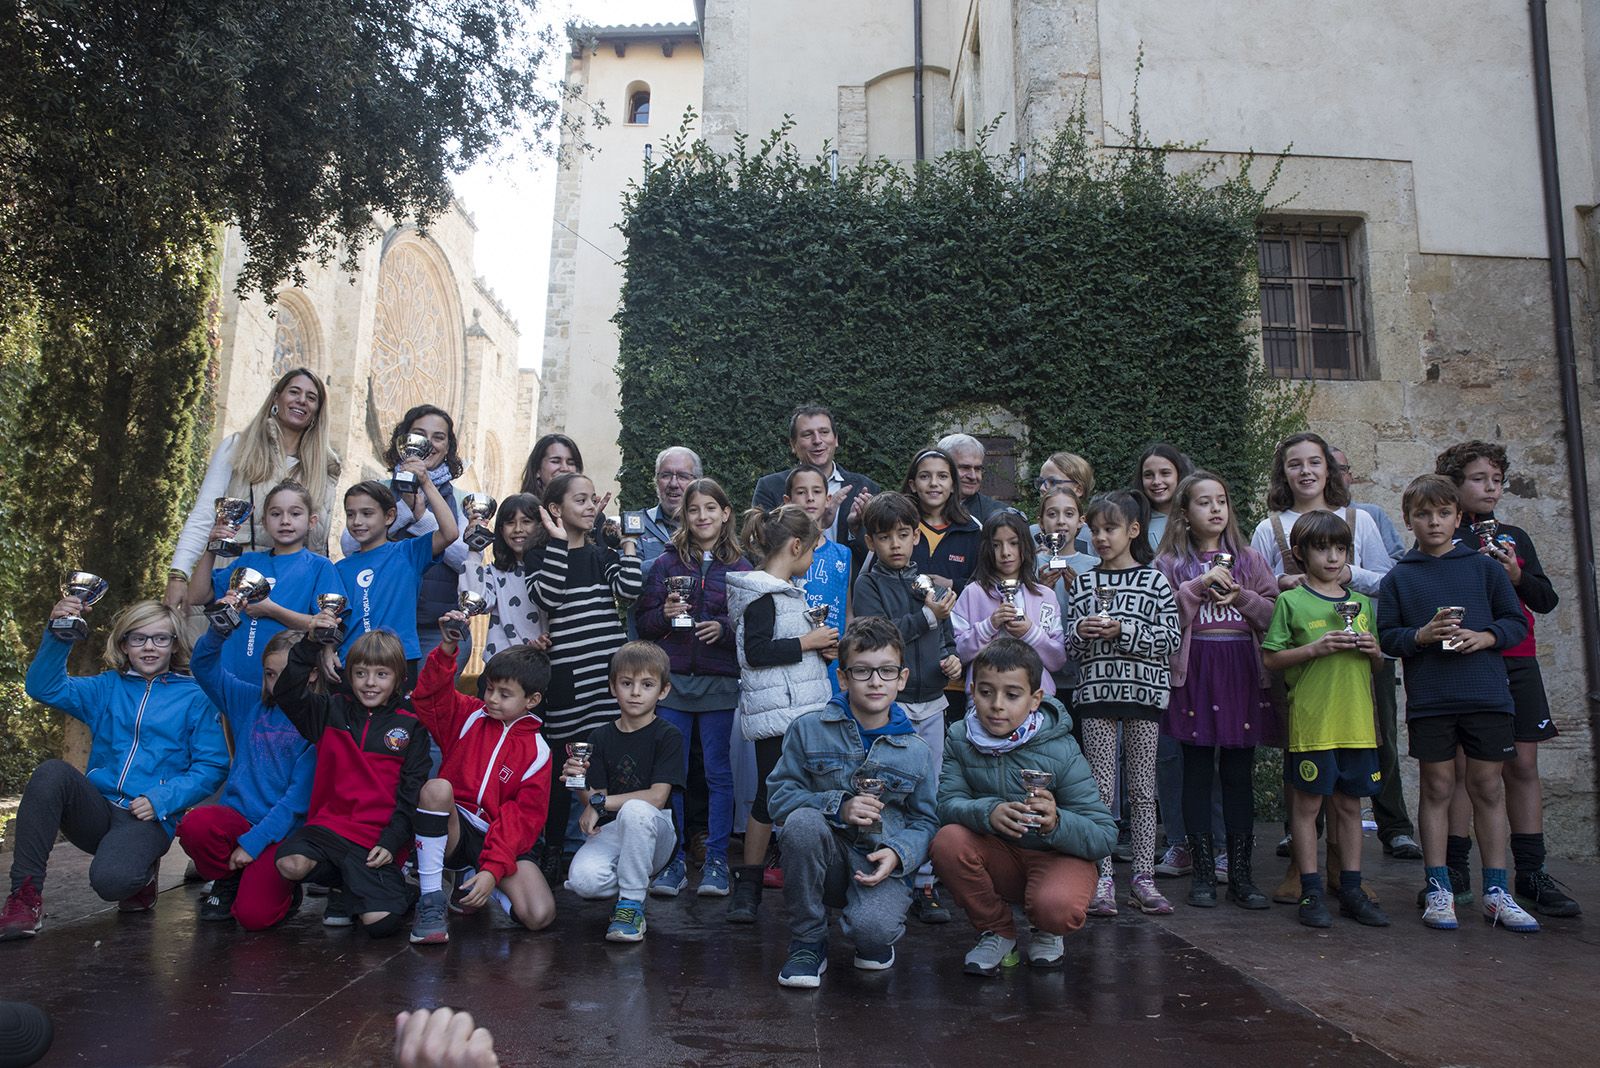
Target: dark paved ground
x,y
1225,987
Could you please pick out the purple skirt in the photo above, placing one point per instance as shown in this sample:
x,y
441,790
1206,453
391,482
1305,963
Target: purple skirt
x,y
1222,702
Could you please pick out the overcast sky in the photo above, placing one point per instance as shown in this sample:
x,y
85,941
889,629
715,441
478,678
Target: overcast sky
x,y
512,201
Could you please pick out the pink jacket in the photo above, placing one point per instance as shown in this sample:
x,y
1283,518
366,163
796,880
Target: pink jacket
x,y
1256,599
974,631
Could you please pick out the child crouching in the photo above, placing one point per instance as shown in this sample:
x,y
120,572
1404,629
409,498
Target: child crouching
x,y
1009,841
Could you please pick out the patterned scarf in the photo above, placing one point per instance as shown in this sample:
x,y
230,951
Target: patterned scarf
x,y
985,742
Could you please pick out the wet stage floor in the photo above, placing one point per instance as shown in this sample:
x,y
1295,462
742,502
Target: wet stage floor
x,y
1224,987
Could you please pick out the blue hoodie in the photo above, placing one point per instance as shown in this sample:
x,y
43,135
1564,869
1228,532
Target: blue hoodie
x,y
1439,682
158,738
270,784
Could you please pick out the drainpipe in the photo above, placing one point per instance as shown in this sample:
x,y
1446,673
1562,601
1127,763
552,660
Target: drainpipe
x,y
916,79
1566,363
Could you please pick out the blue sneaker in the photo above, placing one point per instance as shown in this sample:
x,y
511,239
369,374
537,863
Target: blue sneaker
x,y
807,961
874,958
714,879
627,922
673,878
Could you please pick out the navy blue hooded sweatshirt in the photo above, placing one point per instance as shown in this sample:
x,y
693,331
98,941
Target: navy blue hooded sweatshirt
x,y
1439,682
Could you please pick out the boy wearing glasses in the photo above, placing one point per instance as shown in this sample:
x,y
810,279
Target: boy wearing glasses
x,y
157,749
854,796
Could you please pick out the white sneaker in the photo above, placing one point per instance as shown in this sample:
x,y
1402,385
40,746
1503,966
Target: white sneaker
x,y
992,953
1500,909
1440,910
1046,950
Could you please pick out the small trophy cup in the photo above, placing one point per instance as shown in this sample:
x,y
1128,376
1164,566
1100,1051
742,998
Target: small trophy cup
x,y
476,506
869,786
247,586
471,604
632,524
1348,611
818,615
578,751
335,603
682,586
1033,781
921,586
1105,599
1455,615
416,447
1055,543
1487,531
232,511
87,588
1010,592
1224,561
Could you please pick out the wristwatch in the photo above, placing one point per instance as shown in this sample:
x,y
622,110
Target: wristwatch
x,y
597,801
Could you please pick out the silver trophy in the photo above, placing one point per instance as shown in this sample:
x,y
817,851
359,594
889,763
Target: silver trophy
x,y
921,586
1454,614
1348,611
1486,529
471,604
682,587
869,786
579,751
1033,781
1055,543
1105,599
475,506
247,586
232,511
335,603
86,587
1224,561
818,615
416,447
1010,592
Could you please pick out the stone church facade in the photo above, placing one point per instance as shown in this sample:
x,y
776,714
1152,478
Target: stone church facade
x,y
1404,273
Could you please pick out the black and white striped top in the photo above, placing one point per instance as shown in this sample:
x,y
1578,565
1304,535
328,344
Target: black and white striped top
x,y
579,590
1134,669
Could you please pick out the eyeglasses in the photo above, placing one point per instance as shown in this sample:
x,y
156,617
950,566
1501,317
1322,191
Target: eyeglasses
x,y
674,476
137,640
1044,484
887,673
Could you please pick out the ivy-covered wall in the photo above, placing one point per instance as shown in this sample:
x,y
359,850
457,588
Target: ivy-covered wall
x,y
1104,299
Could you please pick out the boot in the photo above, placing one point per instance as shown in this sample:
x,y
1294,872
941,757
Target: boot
x,y
1203,877
1241,890
746,899
1288,891
1335,865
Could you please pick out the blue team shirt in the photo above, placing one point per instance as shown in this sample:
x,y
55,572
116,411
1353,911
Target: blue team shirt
x,y
298,578
383,584
827,583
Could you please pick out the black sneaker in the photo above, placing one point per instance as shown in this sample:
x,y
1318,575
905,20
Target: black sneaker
x,y
1540,890
217,906
1122,852
1359,907
926,906
1313,913
340,910
1284,845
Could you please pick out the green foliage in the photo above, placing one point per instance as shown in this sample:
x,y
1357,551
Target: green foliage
x,y
1104,301
32,733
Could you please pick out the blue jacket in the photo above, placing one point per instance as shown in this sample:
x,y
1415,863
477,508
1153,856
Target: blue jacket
x,y
1439,682
270,784
158,738
822,750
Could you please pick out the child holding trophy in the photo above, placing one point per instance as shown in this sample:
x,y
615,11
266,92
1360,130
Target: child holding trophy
x,y
684,608
1122,628
496,573
1220,708
1005,597
1322,638
1062,542
156,748
1023,820
298,576
827,582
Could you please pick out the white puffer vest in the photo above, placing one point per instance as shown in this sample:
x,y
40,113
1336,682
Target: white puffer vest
x,y
770,698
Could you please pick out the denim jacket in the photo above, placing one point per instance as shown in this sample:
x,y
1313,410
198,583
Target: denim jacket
x,y
822,750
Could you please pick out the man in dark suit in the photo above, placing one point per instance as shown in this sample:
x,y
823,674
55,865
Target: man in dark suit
x,y
814,441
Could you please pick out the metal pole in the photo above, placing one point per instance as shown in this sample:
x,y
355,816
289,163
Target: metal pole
x,y
1567,368
916,80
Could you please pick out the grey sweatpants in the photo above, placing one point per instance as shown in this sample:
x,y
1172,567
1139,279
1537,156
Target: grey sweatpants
x,y
58,798
624,854
819,870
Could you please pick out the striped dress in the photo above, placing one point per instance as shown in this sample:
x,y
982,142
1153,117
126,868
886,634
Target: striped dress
x,y
578,590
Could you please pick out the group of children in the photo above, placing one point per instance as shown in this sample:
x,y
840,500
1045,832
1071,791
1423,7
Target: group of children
x,y
936,703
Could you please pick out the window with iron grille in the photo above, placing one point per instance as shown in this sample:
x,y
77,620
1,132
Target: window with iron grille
x,y
1311,309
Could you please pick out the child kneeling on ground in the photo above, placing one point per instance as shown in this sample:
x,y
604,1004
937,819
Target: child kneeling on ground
x,y
633,767
854,793
483,813
1008,840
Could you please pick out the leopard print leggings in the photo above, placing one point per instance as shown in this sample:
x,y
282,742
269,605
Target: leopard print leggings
x,y
1139,774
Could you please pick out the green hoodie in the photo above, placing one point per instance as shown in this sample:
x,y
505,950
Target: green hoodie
x,y
973,782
